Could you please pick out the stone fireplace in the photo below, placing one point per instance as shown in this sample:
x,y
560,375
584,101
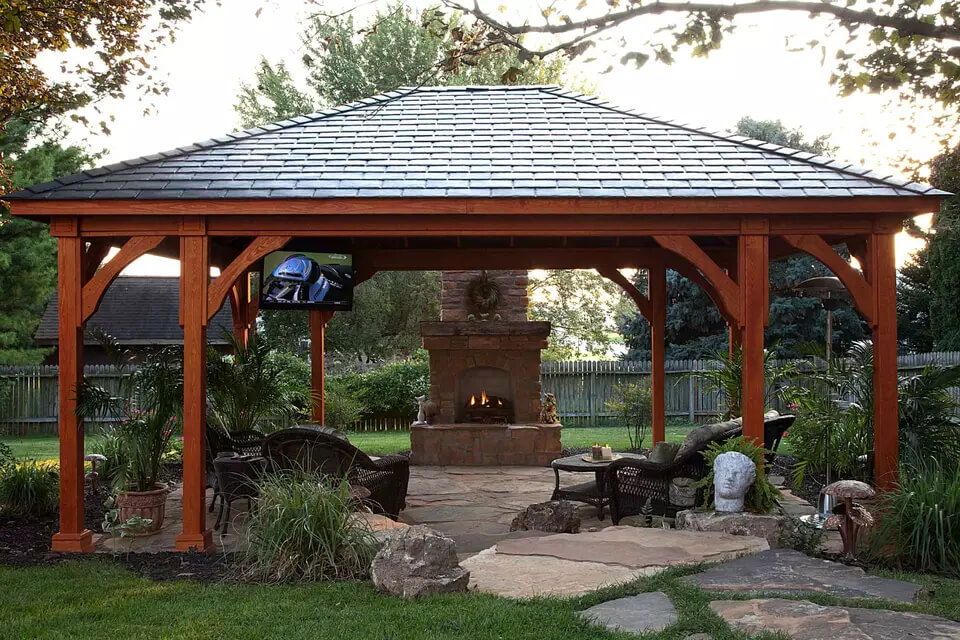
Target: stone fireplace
x,y
484,376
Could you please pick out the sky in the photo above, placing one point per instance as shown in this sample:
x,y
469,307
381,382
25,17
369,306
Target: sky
x,y
752,74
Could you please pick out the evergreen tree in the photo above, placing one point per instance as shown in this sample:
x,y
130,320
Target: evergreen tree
x,y
944,255
28,255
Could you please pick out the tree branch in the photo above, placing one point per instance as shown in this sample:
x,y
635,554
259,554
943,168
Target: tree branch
x,y
906,26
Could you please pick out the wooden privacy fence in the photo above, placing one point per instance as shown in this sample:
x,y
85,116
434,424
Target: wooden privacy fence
x,y
28,395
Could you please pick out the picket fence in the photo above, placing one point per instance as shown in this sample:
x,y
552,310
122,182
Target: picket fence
x,y
28,402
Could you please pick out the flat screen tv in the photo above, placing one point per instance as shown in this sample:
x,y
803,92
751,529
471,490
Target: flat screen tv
x,y
305,280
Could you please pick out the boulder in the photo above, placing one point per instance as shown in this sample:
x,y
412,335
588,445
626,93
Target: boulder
x,y
418,561
739,524
556,516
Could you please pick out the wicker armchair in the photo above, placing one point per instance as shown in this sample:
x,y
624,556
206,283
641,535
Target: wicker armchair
x,y
325,451
244,443
631,482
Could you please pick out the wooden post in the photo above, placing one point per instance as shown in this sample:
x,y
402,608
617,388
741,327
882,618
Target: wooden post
x,y
72,535
734,340
657,276
194,281
239,301
318,325
883,277
753,257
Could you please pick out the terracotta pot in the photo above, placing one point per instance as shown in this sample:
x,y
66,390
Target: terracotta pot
x,y
146,504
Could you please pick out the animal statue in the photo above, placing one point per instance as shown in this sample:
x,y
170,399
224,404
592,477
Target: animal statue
x,y
548,409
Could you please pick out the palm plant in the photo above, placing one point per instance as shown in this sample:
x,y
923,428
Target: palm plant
x,y
727,379
146,408
251,388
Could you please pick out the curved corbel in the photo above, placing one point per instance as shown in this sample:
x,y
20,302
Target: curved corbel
x,y
642,301
220,287
94,289
724,291
857,286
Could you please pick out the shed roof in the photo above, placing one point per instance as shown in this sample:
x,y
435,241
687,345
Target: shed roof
x,y
137,310
527,141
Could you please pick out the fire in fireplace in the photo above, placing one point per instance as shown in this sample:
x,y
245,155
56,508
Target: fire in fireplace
x,y
488,409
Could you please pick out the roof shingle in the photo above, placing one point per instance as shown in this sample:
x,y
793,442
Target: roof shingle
x,y
475,141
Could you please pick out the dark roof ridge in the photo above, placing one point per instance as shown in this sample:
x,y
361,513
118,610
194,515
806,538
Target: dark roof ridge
x,y
839,166
270,127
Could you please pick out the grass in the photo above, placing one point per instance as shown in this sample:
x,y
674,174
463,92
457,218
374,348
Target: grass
x,y
96,598
373,442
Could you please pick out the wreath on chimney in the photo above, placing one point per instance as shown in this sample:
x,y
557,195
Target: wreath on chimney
x,y
483,293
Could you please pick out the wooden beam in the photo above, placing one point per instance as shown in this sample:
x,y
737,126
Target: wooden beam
x,y
664,206
73,536
639,298
257,248
194,281
856,284
754,283
318,324
882,251
98,284
658,326
727,290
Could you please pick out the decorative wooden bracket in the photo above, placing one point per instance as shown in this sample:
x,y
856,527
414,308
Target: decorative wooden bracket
x,y
726,290
96,251
220,287
641,300
94,289
857,286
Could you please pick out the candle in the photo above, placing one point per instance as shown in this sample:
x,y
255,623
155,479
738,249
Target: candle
x,y
596,451
607,452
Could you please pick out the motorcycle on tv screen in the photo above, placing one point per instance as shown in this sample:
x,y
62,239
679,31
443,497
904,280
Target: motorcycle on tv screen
x,y
305,280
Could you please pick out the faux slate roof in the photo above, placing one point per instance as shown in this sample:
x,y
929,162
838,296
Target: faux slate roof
x,y
137,310
476,142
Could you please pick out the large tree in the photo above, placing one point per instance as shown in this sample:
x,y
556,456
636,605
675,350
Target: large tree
x,y
694,327
944,255
109,42
346,62
901,45
28,255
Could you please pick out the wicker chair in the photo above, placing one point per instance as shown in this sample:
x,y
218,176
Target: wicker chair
x,y
244,443
325,451
631,482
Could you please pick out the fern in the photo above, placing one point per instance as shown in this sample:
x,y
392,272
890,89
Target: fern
x,y
762,495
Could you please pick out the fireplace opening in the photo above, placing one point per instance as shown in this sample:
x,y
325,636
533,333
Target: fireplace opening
x,y
484,396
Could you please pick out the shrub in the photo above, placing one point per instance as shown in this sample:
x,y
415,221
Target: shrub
x,y
108,445
919,522
390,390
29,488
342,407
727,379
634,408
762,496
6,456
303,528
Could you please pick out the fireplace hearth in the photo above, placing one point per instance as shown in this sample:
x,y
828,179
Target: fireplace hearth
x,y
484,378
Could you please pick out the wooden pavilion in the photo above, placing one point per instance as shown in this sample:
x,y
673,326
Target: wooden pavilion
x,y
467,178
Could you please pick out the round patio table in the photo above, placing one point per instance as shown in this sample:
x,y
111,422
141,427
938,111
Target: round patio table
x,y
592,492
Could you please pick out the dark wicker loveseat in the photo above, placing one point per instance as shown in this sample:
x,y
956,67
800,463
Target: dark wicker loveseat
x,y
326,451
631,482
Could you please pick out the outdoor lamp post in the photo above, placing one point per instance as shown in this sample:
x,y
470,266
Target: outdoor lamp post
x,y
832,294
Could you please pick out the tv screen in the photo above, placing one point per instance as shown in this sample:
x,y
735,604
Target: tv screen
x,y
305,280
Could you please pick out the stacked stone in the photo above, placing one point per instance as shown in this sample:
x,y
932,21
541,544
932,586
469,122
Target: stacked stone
x,y
455,307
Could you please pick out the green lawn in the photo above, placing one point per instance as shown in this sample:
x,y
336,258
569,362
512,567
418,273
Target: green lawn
x,y
94,598
379,442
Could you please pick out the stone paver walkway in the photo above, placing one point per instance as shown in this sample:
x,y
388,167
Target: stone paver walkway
x,y
573,564
803,620
793,572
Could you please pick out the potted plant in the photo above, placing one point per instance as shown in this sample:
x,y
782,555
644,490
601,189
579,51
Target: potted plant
x,y
146,409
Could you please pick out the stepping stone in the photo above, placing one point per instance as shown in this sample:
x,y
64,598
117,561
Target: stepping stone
x,y
637,548
803,620
793,572
644,613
